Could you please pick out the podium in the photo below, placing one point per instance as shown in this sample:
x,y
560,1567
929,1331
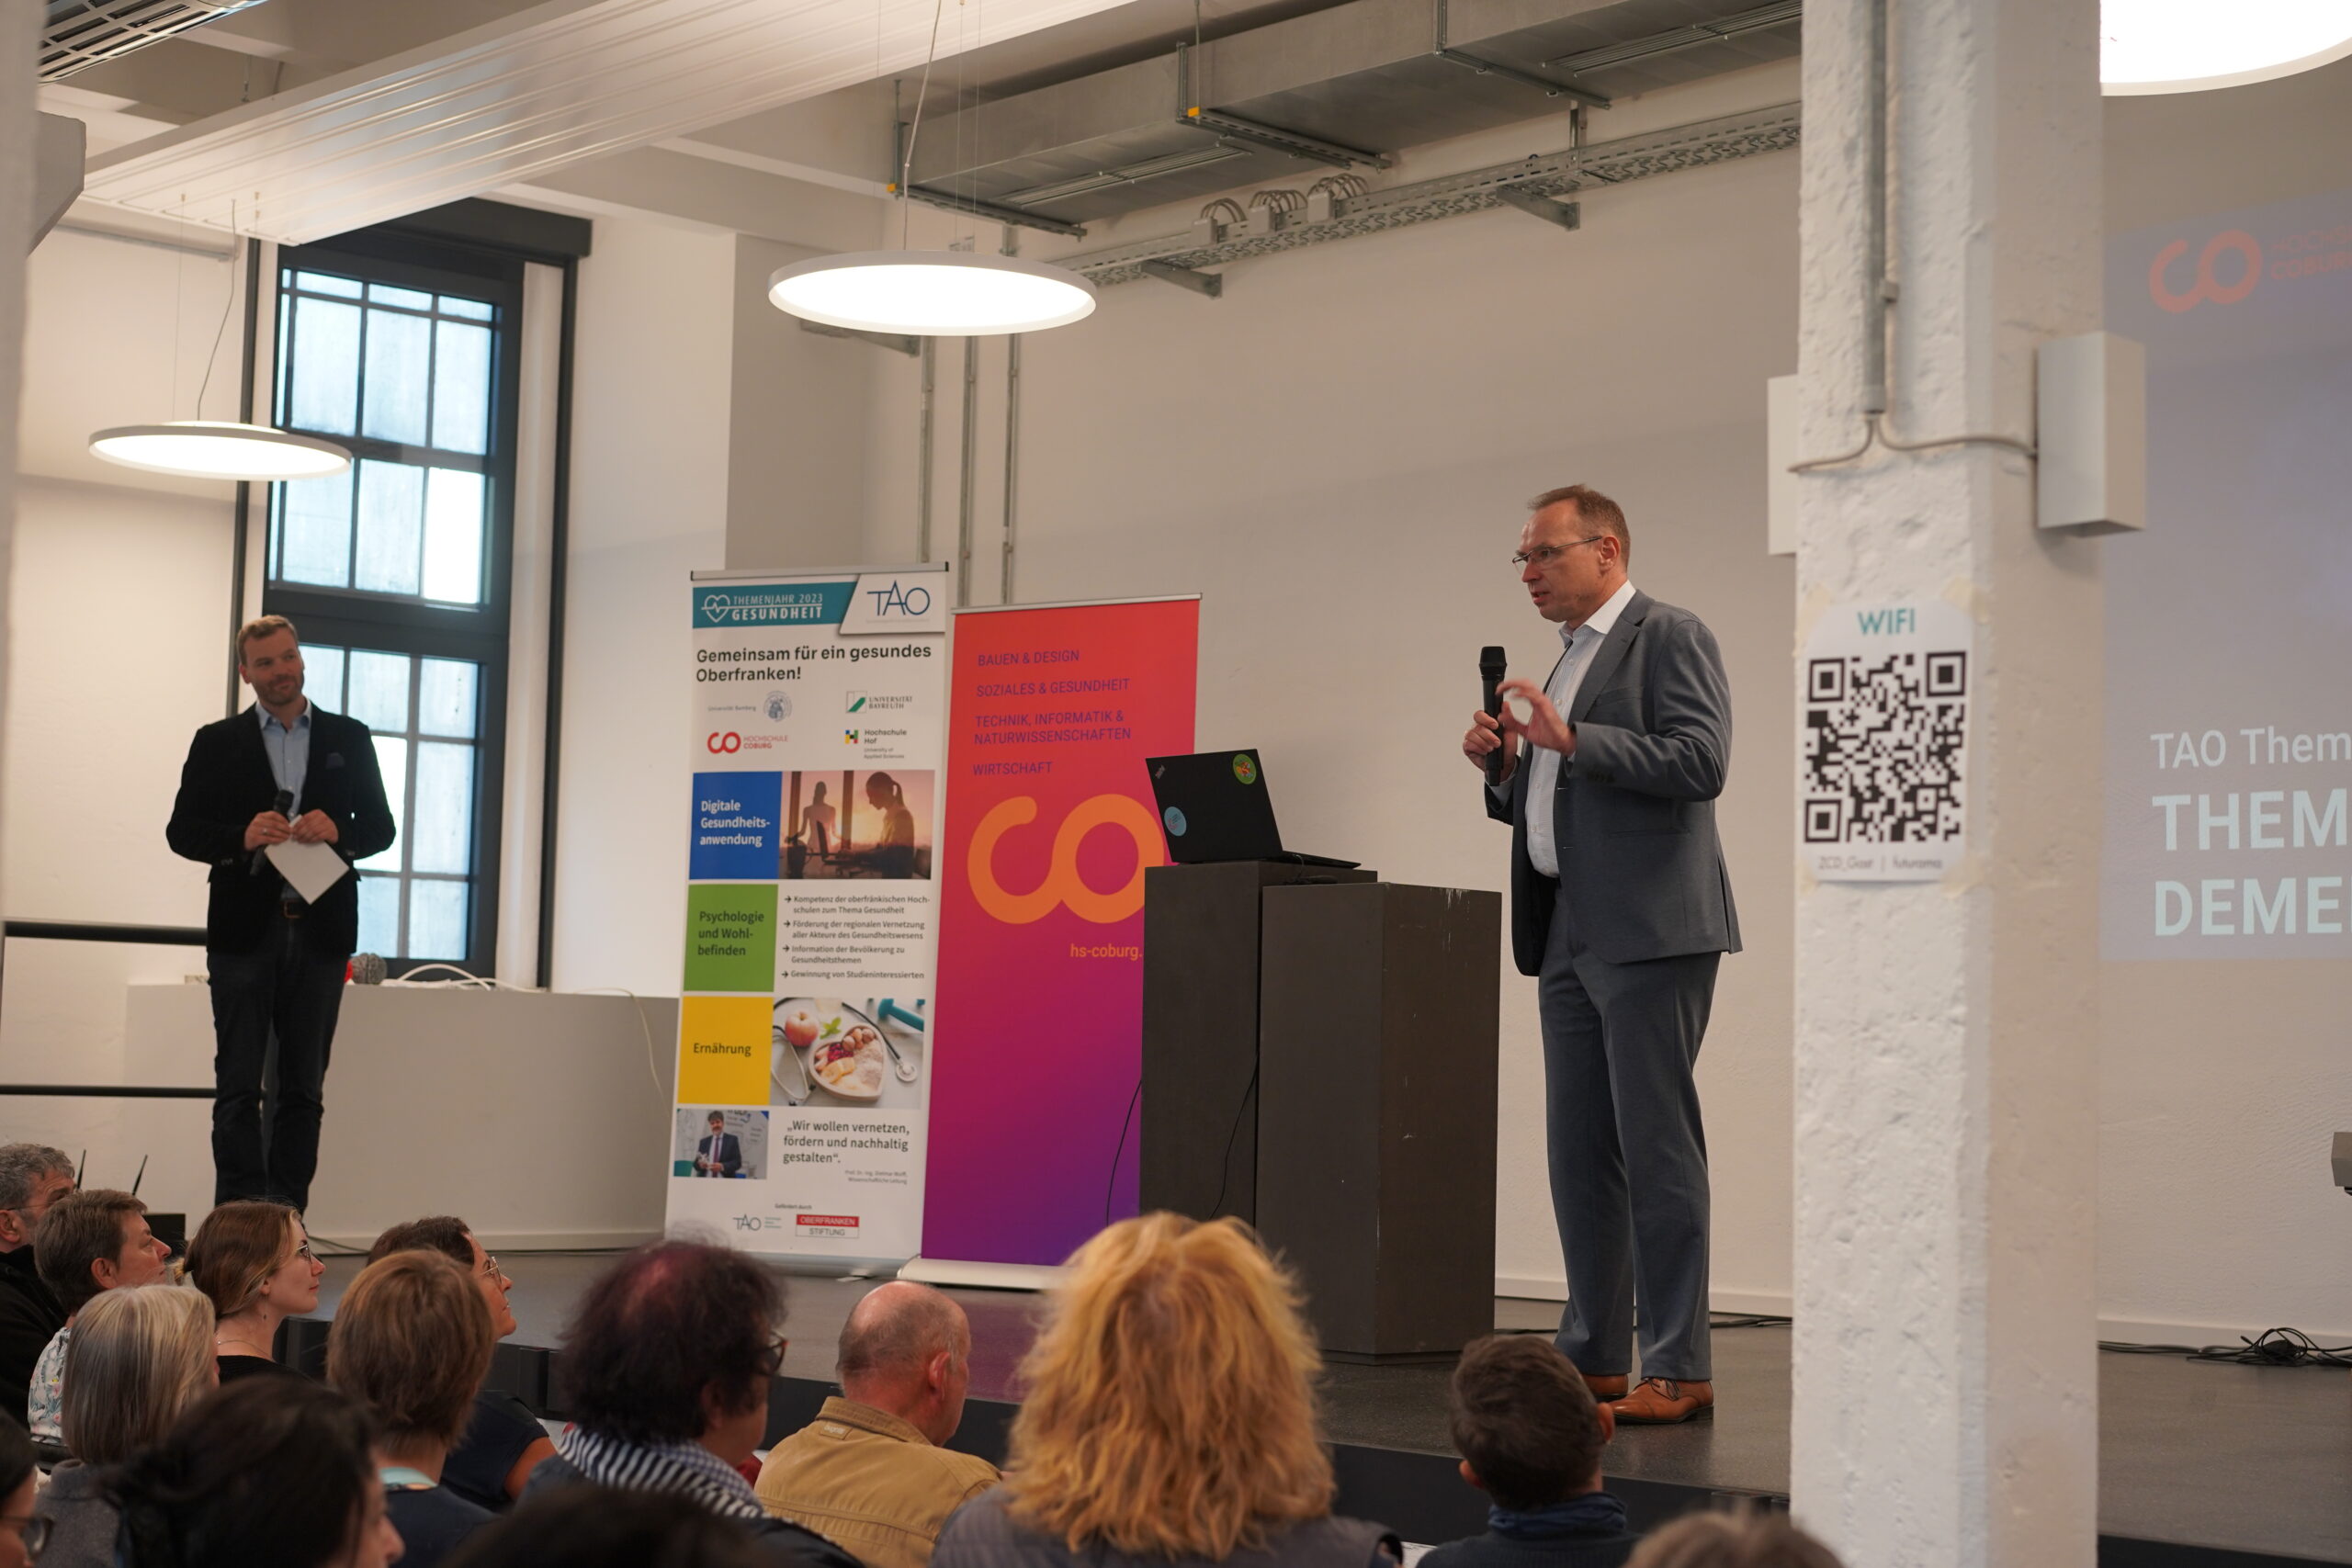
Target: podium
x,y
1333,1083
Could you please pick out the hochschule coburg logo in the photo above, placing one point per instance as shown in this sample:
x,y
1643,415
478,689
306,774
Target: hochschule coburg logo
x,y
1062,886
724,742
2225,272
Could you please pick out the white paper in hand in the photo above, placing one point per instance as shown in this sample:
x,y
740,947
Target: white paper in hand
x,y
308,869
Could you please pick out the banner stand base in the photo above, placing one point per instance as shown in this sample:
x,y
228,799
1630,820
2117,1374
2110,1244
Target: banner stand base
x,y
981,1276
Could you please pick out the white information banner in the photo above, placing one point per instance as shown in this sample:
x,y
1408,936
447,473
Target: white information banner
x,y
819,706
1883,742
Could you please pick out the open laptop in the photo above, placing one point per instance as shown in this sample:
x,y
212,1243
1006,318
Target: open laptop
x,y
1214,806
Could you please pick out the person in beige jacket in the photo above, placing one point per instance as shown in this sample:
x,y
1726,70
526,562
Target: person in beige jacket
x,y
872,1473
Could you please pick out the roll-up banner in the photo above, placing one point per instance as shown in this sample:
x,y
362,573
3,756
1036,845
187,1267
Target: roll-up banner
x,y
1050,827
804,1031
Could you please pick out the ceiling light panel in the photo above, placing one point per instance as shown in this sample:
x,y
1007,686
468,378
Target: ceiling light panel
x,y
511,100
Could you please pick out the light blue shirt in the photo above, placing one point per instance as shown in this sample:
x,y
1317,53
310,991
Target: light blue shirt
x,y
290,751
1578,648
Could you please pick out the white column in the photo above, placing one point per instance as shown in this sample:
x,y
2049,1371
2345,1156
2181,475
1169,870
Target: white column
x,y
1946,1397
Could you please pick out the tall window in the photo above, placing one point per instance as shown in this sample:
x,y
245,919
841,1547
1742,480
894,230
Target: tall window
x,y
396,572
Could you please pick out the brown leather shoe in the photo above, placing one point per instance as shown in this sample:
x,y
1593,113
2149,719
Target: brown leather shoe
x,y
1605,1387
1664,1402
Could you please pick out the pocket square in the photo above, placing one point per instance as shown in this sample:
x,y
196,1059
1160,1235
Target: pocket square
x,y
334,760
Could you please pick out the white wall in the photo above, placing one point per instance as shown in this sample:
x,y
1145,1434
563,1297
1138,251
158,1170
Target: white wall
x,y
650,438
117,650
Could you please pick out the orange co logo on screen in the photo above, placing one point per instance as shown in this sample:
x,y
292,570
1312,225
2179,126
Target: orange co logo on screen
x,y
1063,887
2207,281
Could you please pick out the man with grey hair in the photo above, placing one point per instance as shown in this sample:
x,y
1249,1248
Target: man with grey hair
x,y
33,1176
872,1472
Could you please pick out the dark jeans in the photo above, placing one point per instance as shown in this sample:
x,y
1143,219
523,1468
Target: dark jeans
x,y
1629,1153
286,993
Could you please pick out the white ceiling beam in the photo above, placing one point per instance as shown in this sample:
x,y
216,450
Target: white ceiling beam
x,y
513,100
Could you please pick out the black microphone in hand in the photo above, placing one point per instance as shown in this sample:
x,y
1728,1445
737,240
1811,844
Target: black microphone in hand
x,y
1490,676
284,806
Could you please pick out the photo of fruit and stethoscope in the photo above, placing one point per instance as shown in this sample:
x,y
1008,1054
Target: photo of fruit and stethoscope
x,y
830,1052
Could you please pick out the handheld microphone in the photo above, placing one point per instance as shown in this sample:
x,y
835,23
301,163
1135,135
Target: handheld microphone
x,y
284,806
1490,676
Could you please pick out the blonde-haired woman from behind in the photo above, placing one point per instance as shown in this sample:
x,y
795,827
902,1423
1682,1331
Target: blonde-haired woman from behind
x,y
1168,1419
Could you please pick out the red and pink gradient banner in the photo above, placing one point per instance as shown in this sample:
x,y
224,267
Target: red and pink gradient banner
x,y
1038,1019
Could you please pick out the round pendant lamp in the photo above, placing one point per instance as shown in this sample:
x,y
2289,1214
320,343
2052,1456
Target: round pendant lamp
x,y
932,293
215,449
2190,46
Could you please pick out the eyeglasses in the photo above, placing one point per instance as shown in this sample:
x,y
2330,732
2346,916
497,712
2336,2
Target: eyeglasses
x,y
1545,555
301,1254
490,1270
772,1359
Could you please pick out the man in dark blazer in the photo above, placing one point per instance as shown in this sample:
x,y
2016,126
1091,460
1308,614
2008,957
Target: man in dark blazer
x,y
721,1154
1621,909
276,963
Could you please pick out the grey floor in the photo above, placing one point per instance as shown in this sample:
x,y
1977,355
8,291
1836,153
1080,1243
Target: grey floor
x,y
2241,1457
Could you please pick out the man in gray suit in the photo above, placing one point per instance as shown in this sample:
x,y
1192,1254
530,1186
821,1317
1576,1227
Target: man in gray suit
x,y
1622,910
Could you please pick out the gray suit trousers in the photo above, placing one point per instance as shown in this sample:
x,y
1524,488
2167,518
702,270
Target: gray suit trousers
x,y
1629,1155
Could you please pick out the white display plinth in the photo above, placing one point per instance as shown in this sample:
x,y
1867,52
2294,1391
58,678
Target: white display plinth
x,y
536,1118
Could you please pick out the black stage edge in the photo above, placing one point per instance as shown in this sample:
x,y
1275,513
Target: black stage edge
x,y
2201,1466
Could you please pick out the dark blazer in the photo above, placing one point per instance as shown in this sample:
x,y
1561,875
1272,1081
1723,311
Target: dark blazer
x,y
226,781
1634,818
728,1157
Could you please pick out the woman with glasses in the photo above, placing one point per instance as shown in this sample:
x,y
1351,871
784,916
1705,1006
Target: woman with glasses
x,y
503,1443
668,1360
253,1260
139,1358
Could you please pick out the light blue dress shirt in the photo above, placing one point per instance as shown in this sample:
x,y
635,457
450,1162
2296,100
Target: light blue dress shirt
x,y
1578,648
290,751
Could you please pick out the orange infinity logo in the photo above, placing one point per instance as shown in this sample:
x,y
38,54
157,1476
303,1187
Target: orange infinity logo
x,y
1062,884
2208,286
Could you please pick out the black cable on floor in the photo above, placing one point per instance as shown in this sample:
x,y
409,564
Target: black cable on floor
x,y
2271,1347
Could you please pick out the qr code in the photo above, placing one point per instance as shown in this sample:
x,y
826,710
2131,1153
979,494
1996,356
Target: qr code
x,y
1882,747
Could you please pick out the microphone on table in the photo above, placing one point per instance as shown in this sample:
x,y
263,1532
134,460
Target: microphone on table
x,y
284,806
1490,676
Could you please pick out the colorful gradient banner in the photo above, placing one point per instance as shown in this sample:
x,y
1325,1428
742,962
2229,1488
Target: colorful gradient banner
x,y
1038,1020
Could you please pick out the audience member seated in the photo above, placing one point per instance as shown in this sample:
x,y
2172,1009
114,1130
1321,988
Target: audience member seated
x,y
142,1357
1168,1419
873,1472
270,1471
411,1341
669,1362
89,1242
21,1534
503,1443
1530,1437
253,1257
1750,1539
32,1176
602,1527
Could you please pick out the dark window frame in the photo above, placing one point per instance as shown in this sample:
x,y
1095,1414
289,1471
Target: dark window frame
x,y
352,618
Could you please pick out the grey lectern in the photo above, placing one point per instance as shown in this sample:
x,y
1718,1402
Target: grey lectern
x,y
1199,1132
1376,1168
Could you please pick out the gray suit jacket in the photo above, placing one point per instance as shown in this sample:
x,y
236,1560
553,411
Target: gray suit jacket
x,y
1635,816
